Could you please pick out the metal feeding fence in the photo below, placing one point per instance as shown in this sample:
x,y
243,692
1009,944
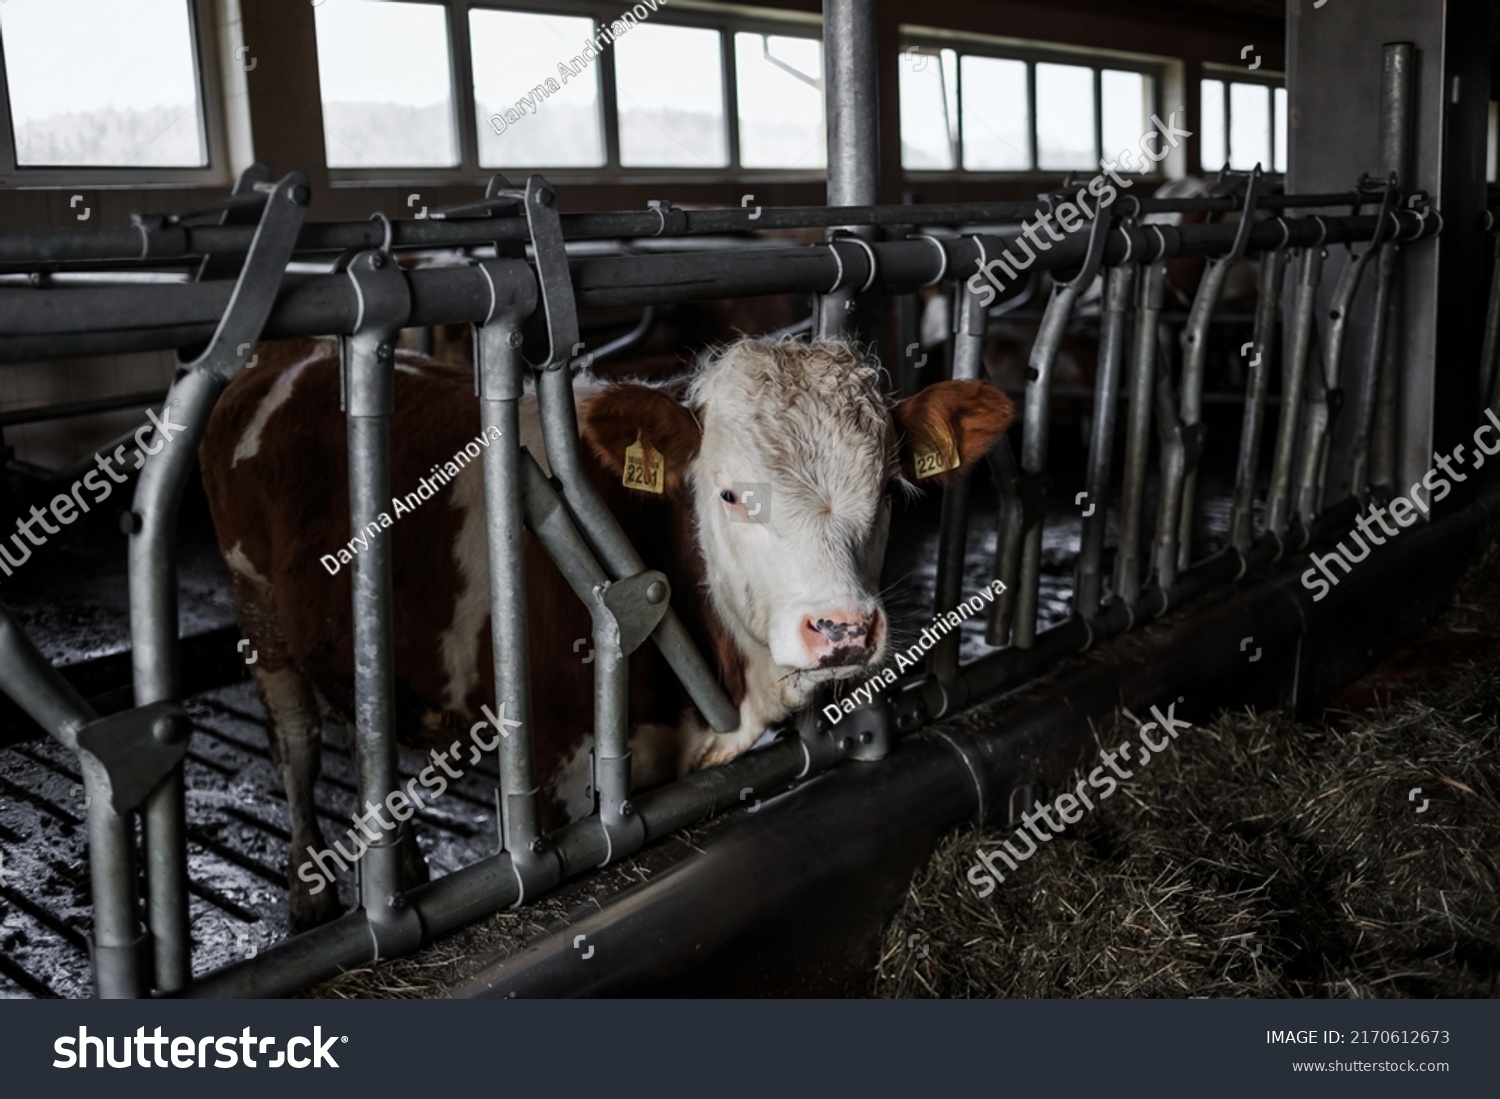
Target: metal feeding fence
x,y
86,292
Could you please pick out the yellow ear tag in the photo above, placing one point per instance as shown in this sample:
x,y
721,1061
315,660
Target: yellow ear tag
x,y
645,472
932,460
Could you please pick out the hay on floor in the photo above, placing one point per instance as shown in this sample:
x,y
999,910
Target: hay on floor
x,y
1255,857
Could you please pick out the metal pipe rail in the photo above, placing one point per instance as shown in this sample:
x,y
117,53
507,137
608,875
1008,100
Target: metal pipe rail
x,y
176,243
42,324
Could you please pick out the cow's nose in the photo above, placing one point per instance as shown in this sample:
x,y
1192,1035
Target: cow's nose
x,y
836,638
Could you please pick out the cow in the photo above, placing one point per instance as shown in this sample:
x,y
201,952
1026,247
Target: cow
x,y
782,606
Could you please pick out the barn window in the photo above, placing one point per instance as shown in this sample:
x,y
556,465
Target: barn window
x,y
1028,110
779,101
929,109
387,84
1065,117
1243,124
515,54
103,83
996,115
669,81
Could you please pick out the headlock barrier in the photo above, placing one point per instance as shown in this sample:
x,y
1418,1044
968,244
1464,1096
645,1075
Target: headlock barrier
x,y
264,272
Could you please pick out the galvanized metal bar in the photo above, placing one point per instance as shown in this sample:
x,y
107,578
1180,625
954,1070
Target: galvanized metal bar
x,y
1397,147
179,242
50,324
1490,356
369,364
1262,345
152,557
1088,586
851,92
1279,498
953,526
1141,385
1173,461
500,371
1367,383
1012,524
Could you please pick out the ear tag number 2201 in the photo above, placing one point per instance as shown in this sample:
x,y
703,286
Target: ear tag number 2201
x,y
644,472
933,460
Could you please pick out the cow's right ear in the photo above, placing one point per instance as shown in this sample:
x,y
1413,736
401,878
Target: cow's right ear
x,y
643,436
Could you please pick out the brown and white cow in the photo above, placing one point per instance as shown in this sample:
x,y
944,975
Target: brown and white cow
x,y
783,605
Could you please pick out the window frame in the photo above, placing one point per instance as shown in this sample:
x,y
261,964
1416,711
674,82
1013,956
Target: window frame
x,y
1270,80
932,43
468,171
203,23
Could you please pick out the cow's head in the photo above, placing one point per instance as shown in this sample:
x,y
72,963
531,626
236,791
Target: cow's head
x,y
786,451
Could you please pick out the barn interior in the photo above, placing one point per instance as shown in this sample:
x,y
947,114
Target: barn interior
x,y
1310,274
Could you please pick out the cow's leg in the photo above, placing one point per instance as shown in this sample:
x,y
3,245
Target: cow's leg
x,y
295,729
294,726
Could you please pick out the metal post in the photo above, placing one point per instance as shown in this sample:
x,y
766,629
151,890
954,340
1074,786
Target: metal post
x,y
1279,498
501,371
369,367
851,92
1267,301
1141,384
152,523
968,348
1397,133
1119,290
850,66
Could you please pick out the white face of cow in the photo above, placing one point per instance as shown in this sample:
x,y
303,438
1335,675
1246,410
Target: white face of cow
x,y
789,487
785,452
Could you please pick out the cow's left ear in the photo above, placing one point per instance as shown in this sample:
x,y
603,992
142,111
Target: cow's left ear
x,y
643,436
949,426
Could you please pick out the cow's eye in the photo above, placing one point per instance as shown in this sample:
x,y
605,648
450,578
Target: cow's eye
x,y
728,497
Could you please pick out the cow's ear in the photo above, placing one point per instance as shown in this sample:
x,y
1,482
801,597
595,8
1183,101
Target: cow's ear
x,y
949,426
643,436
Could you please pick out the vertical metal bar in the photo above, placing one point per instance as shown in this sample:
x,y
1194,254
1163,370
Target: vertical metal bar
x,y
152,556
1368,381
369,364
850,66
1397,134
1034,453
501,371
1279,499
1489,391
968,346
1140,385
153,630
1088,588
1267,303
1195,359
1173,466
1012,523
